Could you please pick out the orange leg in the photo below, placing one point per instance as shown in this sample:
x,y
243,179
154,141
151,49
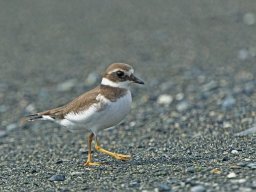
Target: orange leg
x,y
89,159
115,155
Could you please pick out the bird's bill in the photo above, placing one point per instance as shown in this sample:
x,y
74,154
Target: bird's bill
x,y
136,79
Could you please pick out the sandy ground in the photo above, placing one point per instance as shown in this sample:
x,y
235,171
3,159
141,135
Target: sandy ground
x,y
198,61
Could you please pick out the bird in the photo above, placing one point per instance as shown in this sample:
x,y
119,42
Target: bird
x,y
102,107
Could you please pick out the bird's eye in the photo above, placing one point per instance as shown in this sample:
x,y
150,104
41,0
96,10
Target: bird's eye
x,y
120,73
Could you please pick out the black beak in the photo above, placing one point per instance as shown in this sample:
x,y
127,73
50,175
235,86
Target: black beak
x,y
136,79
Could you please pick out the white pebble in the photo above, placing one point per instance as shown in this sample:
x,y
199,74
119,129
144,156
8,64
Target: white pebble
x,y
227,125
164,99
179,96
92,78
235,152
243,54
31,108
249,18
66,85
231,175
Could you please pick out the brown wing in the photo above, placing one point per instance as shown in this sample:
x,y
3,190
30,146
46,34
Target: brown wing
x,y
80,103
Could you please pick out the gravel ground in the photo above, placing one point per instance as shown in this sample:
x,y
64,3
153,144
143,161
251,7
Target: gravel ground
x,y
198,61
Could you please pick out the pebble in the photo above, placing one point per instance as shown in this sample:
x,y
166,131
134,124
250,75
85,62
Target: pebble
x,y
249,88
179,96
249,18
3,108
226,158
182,106
231,175
11,127
57,178
253,185
227,125
92,78
238,181
210,86
251,165
252,51
198,188
243,54
164,187
228,102
190,170
3,87
165,99
77,173
3,133
135,183
66,85
234,152
216,171
30,108
247,132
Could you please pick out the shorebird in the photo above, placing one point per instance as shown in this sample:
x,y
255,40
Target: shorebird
x,y
102,107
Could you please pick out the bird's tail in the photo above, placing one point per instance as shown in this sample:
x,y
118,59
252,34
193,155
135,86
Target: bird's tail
x,y
33,117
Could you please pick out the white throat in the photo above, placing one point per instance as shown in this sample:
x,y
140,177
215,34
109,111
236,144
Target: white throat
x,y
124,84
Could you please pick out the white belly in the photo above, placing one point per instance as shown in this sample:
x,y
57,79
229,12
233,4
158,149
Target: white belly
x,y
95,119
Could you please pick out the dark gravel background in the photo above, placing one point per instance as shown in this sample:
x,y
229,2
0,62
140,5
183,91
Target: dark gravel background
x,y
198,61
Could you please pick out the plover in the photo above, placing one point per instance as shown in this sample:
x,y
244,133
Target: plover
x,y
102,107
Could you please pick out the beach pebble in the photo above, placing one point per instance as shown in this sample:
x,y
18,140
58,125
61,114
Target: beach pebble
x,y
249,18
231,175
57,178
66,85
165,99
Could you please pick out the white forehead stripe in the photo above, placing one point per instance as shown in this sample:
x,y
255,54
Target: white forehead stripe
x,y
110,83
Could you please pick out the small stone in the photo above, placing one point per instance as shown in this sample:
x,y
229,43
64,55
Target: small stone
x,y
235,152
227,125
30,108
243,54
3,133
252,51
3,108
163,187
11,127
249,18
77,173
226,158
248,88
164,99
216,171
198,188
251,165
253,186
135,183
64,190
190,170
182,106
92,79
231,175
179,96
238,181
241,164
66,85
59,161
210,86
57,178
228,102
247,132
132,124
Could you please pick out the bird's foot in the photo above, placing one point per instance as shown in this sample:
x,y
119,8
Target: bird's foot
x,y
89,163
121,156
